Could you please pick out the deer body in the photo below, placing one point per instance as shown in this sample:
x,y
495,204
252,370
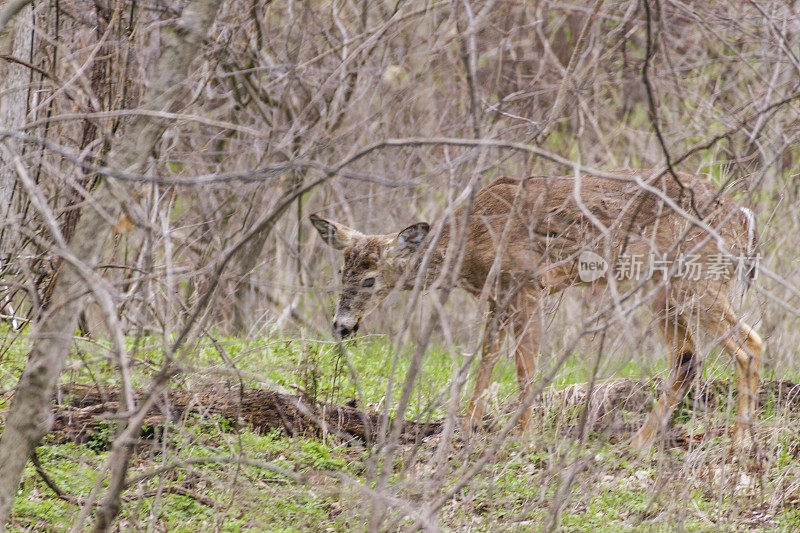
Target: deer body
x,y
525,238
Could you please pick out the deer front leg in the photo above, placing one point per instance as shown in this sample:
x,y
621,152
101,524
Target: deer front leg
x,y
490,353
527,331
683,364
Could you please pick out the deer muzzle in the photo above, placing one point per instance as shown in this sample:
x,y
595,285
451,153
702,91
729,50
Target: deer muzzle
x,y
343,328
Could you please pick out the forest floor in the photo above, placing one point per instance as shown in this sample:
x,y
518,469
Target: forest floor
x,y
201,468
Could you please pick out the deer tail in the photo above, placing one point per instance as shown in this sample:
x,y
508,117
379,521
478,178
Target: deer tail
x,y
751,264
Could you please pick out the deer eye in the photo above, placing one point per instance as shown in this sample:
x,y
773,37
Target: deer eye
x,y
369,282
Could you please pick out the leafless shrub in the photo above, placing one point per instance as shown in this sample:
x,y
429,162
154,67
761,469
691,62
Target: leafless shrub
x,y
380,115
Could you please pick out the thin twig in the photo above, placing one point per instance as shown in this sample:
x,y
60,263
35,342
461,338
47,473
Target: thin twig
x,y
653,111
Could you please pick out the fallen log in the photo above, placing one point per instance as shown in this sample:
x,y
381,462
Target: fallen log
x,y
82,411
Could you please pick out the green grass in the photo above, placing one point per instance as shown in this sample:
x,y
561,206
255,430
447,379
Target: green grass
x,y
619,489
257,497
317,369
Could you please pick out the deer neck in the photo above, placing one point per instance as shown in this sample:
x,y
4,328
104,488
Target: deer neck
x,y
430,256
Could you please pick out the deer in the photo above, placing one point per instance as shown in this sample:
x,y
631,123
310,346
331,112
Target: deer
x,y
523,239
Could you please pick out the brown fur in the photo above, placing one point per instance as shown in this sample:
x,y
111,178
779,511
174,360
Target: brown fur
x,y
531,233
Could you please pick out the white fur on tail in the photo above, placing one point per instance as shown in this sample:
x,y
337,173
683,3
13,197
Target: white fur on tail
x,y
751,230
745,275
7,305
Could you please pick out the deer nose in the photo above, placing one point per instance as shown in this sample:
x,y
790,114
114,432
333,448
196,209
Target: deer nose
x,y
341,331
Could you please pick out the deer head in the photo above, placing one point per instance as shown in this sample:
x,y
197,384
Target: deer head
x,y
373,264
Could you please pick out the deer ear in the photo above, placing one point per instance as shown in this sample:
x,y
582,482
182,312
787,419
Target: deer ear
x,y
337,235
408,240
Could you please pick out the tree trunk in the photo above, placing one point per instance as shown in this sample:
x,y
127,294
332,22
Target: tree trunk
x,y
72,211
244,297
30,417
13,110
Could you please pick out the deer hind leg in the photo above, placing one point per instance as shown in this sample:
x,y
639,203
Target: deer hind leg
x,y
526,353
490,353
745,346
683,364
